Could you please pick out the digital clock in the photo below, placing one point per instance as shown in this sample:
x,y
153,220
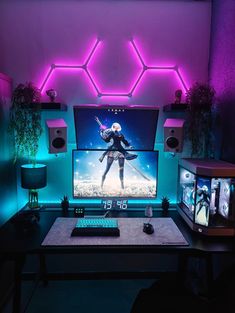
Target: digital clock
x,y
114,204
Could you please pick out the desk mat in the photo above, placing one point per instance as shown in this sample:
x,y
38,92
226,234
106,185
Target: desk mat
x,y
131,233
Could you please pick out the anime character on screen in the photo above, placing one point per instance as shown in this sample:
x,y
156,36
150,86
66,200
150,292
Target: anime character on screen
x,y
115,151
204,201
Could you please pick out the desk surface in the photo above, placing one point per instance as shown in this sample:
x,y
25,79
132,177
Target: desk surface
x,y
12,242
131,233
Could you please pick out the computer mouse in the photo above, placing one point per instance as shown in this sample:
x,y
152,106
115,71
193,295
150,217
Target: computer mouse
x,y
148,228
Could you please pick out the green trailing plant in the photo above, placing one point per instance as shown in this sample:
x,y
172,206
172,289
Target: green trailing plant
x,y
165,204
65,203
199,119
25,121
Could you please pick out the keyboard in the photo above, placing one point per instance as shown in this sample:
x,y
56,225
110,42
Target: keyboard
x,y
96,227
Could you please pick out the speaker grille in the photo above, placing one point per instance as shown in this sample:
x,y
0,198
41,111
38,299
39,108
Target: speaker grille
x,y
172,142
58,143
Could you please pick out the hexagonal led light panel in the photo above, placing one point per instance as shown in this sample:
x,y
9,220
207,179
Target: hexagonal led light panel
x,y
130,93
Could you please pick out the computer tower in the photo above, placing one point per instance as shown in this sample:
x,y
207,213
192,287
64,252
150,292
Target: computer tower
x,y
206,196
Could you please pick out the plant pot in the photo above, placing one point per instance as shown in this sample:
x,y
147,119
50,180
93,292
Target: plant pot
x,y
65,205
65,210
165,210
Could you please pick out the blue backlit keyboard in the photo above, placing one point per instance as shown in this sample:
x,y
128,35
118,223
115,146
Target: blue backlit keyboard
x,y
96,227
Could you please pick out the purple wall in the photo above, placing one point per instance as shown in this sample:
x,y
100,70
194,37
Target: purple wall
x,y
168,33
35,34
8,197
222,71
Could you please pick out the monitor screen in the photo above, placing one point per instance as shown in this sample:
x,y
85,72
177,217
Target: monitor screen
x,y
109,174
96,125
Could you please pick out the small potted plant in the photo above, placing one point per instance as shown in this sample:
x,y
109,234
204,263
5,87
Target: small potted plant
x,y
65,204
165,204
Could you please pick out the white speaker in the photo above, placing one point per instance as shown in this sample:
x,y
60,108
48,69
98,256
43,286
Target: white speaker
x,y
57,135
173,135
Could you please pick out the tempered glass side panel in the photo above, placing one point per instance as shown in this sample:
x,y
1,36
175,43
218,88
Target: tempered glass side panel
x,y
222,201
107,174
220,196
224,198
186,194
203,200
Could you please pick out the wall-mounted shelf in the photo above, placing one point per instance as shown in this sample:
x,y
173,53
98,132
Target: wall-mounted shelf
x,y
175,107
51,106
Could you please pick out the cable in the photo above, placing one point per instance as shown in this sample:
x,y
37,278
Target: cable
x,y
106,213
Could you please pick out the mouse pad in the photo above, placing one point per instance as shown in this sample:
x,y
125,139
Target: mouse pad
x,y
131,233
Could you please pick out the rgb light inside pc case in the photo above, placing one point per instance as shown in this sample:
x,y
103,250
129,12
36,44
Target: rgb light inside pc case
x,y
207,201
115,155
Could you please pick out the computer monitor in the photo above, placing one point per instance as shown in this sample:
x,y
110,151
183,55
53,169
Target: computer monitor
x,y
114,177
137,125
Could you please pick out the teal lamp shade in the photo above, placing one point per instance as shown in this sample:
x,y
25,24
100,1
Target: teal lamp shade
x,y
33,176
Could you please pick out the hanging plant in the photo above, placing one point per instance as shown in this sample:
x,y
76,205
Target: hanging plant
x,y
199,119
25,121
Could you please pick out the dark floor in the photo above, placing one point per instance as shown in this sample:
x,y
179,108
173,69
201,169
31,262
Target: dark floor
x,y
133,296
125,296
87,296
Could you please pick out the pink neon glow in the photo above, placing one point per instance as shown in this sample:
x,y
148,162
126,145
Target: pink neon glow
x,y
135,55
71,66
156,68
118,91
136,82
139,78
92,82
57,67
94,48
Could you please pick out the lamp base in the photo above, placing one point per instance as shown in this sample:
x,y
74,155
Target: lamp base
x,y
33,199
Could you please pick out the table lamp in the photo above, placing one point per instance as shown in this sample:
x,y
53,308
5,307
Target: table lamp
x,y
33,177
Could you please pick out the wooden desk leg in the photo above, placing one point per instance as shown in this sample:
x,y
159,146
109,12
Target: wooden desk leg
x,y
43,269
19,263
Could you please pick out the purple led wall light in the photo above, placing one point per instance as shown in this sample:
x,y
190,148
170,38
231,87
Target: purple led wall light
x,y
84,67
